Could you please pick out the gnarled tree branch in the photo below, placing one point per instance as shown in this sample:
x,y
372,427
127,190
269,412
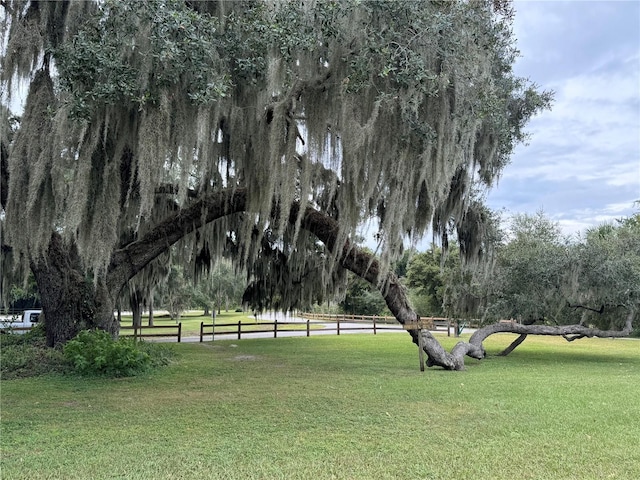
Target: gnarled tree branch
x,y
127,261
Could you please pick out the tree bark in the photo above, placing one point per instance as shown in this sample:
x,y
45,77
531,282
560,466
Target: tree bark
x,y
135,302
151,308
513,345
71,302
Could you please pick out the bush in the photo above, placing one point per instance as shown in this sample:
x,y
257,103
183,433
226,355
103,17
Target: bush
x,y
30,360
94,352
36,335
27,355
159,354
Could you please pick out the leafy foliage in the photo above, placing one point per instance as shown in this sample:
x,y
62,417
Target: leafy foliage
x,y
94,352
530,271
131,51
175,292
539,276
425,281
361,298
220,287
27,355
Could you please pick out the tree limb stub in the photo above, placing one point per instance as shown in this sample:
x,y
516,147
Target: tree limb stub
x,y
513,345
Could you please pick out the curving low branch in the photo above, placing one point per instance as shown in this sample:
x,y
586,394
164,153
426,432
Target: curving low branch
x,y
126,262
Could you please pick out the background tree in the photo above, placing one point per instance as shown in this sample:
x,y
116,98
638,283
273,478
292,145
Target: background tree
x,y
24,296
175,292
362,298
221,287
605,278
428,275
527,284
557,286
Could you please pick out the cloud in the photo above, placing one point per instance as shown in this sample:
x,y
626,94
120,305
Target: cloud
x,y
582,165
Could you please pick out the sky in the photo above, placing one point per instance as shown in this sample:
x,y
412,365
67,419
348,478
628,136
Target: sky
x,y
581,166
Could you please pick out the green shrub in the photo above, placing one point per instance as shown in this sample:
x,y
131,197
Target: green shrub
x,y
159,354
27,355
35,335
21,360
94,352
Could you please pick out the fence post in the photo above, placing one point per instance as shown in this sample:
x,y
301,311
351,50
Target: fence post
x,y
201,330
275,328
338,324
239,329
308,330
420,349
374,325
179,332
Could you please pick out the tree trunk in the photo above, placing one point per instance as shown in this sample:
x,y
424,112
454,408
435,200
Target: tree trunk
x,y
70,300
151,308
135,302
206,311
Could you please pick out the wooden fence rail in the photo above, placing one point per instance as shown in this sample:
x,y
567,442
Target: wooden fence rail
x,y
331,317
138,332
431,323
276,327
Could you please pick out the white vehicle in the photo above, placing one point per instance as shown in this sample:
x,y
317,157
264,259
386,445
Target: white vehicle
x,y
28,320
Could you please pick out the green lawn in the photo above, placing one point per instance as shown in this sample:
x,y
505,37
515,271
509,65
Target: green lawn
x,y
347,407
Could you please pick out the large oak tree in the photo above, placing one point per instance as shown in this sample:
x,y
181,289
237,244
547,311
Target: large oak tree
x,y
268,131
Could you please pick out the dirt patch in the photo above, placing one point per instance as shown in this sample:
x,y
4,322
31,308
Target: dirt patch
x,y
240,358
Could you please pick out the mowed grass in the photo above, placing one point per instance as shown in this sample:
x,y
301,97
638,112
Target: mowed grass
x,y
343,407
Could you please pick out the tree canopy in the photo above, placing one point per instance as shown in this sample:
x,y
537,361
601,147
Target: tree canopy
x,y
265,130
330,103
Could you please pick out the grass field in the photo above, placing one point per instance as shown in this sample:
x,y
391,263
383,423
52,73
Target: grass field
x,y
329,407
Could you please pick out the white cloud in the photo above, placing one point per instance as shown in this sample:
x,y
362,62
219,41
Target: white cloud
x,y
582,165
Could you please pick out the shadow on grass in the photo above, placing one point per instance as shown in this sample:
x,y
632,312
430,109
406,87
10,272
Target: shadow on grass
x,y
554,354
